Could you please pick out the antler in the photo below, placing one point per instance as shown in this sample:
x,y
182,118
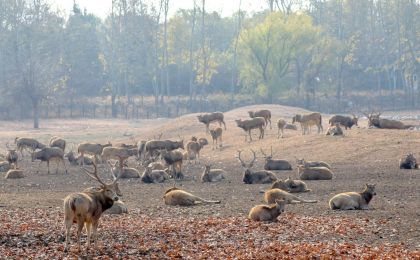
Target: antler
x,y
7,146
262,151
253,159
239,158
94,174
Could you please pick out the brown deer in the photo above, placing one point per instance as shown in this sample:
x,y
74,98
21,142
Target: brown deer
x,y
255,177
86,208
308,120
48,154
212,117
353,200
248,125
267,212
91,149
216,136
383,123
23,143
12,156
178,197
264,113
275,164
174,159
212,175
59,142
345,121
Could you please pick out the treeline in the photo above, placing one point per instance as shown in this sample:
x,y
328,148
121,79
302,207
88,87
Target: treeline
x,y
321,54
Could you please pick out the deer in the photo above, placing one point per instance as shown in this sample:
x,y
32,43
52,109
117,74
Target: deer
x,y
383,123
94,149
255,177
264,113
178,197
308,164
275,164
174,160
272,195
154,176
212,117
87,160
314,173
216,136
152,147
267,213
12,156
23,143
335,130
290,185
212,175
86,207
408,162
118,153
254,123
48,154
193,149
345,121
353,200
307,120
59,142
125,173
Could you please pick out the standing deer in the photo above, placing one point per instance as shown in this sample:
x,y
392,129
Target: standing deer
x,y
212,117
48,154
91,149
23,143
56,141
86,208
264,113
216,136
307,120
11,156
248,125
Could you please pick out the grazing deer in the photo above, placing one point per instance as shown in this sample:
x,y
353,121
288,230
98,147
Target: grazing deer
x,y
275,164
272,195
308,120
212,117
23,143
216,136
255,177
353,200
266,114
48,154
345,121
86,208
248,125
267,212
178,197
212,175
12,156
59,142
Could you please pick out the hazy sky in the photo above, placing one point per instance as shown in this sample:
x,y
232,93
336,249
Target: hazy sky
x,y
102,7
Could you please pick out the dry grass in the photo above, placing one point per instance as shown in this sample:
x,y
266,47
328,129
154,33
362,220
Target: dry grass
x,y
361,156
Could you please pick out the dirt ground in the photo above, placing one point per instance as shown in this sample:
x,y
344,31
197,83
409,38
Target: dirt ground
x,y
362,156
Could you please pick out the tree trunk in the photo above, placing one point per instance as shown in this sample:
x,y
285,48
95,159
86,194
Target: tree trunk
x,y
36,114
113,106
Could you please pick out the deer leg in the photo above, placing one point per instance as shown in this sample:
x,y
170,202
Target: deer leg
x,y
250,137
88,231
95,232
80,224
64,163
270,123
224,124
48,166
68,221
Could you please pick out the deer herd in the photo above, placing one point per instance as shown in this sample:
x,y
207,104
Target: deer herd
x,y
162,160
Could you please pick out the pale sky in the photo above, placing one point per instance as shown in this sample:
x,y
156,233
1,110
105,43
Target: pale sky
x,y
102,7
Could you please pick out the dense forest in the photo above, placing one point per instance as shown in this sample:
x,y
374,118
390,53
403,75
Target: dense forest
x,y
328,55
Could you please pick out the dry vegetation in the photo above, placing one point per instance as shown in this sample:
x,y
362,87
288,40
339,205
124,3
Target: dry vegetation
x,y
31,216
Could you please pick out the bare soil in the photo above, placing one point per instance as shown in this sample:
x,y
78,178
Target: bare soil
x,y
362,156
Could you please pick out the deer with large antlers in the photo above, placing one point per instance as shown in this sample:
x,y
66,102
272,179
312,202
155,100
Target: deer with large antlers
x,y
86,208
255,177
275,164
